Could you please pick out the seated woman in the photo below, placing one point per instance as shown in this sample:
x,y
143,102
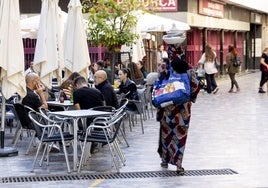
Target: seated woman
x,y
135,74
127,87
67,85
140,65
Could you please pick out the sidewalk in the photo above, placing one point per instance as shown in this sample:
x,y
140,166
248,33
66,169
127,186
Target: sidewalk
x,y
226,147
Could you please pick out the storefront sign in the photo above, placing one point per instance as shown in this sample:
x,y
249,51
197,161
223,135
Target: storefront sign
x,y
159,5
209,8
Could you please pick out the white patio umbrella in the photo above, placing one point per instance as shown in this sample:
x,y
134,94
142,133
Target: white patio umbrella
x,y
76,56
154,23
49,51
136,49
30,25
11,60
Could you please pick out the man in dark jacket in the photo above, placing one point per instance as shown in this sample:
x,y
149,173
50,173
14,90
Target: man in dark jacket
x,y
104,86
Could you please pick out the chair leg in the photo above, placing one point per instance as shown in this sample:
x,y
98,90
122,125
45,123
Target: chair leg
x,y
124,136
115,160
17,135
129,121
36,155
120,153
82,156
66,156
31,143
141,124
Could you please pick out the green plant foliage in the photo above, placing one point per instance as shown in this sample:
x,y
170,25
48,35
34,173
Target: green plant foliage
x,y
111,24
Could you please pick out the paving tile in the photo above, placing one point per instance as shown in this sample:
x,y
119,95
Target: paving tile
x,y
227,130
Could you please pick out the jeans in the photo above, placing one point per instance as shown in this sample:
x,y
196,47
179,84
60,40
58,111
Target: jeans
x,y
211,82
264,78
233,80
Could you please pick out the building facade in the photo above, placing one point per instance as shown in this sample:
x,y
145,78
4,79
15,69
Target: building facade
x,y
216,22
220,23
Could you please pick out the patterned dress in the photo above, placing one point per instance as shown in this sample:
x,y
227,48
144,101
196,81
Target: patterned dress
x,y
174,123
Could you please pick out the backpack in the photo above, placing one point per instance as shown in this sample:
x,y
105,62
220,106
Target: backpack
x,y
237,62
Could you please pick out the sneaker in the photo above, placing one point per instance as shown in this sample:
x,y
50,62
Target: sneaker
x,y
164,165
230,91
180,170
215,90
54,149
261,90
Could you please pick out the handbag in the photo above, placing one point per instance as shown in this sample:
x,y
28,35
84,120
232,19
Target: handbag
x,y
237,62
175,90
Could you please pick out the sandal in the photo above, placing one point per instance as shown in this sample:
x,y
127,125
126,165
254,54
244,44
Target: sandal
x,y
164,165
180,170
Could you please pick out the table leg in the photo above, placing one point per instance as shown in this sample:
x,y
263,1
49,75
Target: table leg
x,y
75,158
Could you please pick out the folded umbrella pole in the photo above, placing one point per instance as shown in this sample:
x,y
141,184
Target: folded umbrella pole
x,y
5,151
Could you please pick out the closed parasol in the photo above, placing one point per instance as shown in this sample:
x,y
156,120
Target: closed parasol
x,y
11,60
76,56
49,51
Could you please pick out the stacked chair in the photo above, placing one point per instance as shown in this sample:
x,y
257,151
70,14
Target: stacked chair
x,y
104,130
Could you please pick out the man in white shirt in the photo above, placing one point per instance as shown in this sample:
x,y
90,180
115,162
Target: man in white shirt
x,y
30,69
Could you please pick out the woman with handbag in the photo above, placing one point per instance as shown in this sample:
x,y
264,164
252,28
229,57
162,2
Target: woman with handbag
x,y
208,59
231,69
174,123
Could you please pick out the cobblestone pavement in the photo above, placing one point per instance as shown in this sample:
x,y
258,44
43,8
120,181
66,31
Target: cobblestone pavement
x,y
227,131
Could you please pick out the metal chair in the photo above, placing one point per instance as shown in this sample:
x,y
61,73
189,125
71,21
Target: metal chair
x,y
148,98
105,132
49,132
132,113
24,124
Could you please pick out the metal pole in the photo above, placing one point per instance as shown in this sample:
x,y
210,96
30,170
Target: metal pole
x,y
5,151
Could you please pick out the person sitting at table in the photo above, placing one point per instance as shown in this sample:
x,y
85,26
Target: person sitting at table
x,y
85,97
140,65
135,74
35,97
104,86
99,65
67,85
128,87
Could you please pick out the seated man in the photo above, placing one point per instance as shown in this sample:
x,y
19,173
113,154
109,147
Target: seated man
x,y
104,86
85,97
35,97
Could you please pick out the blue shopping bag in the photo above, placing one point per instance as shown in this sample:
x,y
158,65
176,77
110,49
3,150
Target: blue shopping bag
x,y
175,90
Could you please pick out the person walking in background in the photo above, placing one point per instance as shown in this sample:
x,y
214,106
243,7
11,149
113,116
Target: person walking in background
x,y
161,54
264,69
107,90
208,59
30,68
174,123
140,65
231,69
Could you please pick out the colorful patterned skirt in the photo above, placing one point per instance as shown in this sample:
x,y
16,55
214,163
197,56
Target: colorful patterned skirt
x,y
174,123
